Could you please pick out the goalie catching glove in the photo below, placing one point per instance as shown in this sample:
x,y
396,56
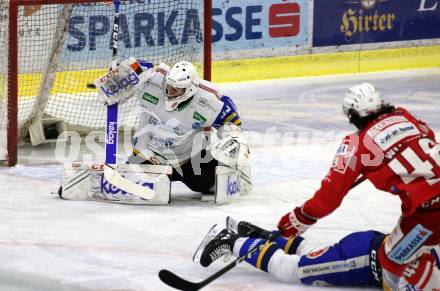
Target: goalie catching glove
x,y
231,150
295,223
120,84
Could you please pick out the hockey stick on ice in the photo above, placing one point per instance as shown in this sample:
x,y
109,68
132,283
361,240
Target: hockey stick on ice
x,y
179,283
111,131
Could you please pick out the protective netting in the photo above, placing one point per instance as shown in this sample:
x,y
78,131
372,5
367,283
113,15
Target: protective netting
x,y
64,47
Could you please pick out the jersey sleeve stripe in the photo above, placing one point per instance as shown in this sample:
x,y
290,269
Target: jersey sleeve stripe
x,y
229,113
230,117
237,122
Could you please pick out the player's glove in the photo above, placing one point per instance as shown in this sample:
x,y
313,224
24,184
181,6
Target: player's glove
x,y
294,223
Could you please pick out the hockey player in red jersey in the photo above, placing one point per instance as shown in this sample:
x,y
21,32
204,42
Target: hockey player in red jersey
x,y
399,154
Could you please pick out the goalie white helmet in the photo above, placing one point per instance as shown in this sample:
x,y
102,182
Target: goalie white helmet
x,y
180,84
363,100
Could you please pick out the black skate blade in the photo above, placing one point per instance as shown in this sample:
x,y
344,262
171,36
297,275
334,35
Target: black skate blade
x,y
177,282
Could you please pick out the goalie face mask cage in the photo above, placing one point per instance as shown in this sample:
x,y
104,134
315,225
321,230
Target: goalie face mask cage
x,y
51,49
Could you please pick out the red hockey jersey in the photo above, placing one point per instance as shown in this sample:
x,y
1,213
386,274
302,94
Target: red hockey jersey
x,y
397,152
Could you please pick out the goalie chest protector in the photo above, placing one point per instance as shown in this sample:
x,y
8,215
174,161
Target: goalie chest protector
x,y
175,130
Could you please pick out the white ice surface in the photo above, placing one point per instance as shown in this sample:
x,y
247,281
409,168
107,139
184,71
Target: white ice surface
x,y
295,126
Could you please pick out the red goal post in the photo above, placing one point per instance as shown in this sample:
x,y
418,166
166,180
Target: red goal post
x,y
46,75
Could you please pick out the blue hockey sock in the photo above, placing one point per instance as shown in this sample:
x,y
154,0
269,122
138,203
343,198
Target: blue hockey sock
x,y
289,246
259,259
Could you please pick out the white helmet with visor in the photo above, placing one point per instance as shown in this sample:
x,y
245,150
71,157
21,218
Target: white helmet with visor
x,y
180,84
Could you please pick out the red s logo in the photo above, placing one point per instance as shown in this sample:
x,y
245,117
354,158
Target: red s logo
x,y
284,20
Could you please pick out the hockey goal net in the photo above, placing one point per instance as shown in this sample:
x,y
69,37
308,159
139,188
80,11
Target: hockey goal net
x,y
51,49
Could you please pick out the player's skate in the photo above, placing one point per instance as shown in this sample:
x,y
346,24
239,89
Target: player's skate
x,y
244,228
216,244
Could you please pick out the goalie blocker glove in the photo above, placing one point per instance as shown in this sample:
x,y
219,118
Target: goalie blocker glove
x,y
122,83
295,223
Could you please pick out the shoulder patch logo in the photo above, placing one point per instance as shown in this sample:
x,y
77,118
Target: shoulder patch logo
x,y
150,98
200,118
203,102
346,154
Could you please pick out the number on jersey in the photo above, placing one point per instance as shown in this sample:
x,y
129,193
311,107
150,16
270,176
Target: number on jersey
x,y
420,168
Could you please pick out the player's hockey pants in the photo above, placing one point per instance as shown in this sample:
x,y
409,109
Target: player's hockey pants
x,y
350,262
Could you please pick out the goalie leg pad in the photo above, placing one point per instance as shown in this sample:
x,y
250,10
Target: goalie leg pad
x,y
245,179
76,182
154,177
227,184
86,181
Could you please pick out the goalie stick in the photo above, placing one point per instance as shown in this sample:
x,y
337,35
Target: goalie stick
x,y
111,131
116,179
179,283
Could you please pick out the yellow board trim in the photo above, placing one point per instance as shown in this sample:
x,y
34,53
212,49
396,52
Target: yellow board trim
x,y
74,82
261,255
325,64
71,82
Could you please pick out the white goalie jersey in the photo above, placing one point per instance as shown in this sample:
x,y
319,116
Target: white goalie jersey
x,y
172,136
174,128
